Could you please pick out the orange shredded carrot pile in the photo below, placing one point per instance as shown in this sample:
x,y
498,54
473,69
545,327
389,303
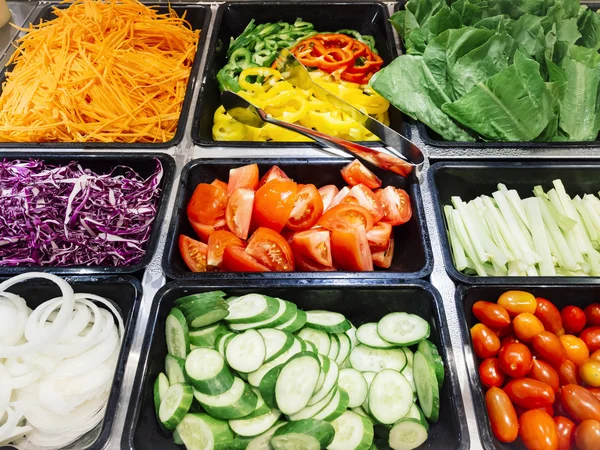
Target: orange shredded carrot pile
x,y
102,71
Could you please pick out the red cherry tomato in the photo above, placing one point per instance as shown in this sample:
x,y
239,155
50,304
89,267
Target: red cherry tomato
x,y
314,245
490,373
566,435
591,337
367,199
503,418
217,242
592,315
573,319
207,204
580,403
356,173
193,253
595,391
529,393
307,208
327,194
235,259
274,173
271,249
550,349
576,349
587,435
491,314
384,259
549,315
273,204
239,212
568,373
220,184
527,326
396,205
544,372
511,338
515,360
243,177
505,331
350,249
538,431
379,237
485,342
517,302
346,217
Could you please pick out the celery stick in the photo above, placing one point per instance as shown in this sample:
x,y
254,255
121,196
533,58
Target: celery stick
x,y
495,216
583,240
493,228
586,218
561,220
458,252
572,241
516,202
495,254
466,242
559,240
532,271
471,229
513,269
540,240
588,203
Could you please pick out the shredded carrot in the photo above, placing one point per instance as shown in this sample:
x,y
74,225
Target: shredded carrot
x,y
102,71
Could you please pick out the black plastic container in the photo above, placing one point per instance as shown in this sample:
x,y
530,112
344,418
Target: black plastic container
x,y
103,163
359,301
125,292
412,256
198,17
466,296
469,180
371,18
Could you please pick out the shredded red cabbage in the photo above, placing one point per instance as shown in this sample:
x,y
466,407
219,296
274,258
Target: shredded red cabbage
x,y
70,216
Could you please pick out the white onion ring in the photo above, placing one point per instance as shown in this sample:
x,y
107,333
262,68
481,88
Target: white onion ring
x,y
18,321
5,390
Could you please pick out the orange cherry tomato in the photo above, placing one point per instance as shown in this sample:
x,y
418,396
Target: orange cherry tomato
x,y
379,237
591,337
485,342
550,348
566,435
239,212
538,431
367,199
490,373
592,315
587,435
243,177
193,253
396,205
511,338
491,314
515,360
595,355
271,249
529,393
527,326
274,173
568,373
573,319
549,315
235,259
220,184
350,249
273,204
307,209
314,245
207,204
590,372
544,372
595,391
517,302
384,258
328,193
339,198
503,418
217,242
576,349
356,173
346,217
580,403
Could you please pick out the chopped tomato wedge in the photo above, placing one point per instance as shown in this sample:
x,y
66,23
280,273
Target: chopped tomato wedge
x,y
220,184
339,198
350,249
396,205
379,237
243,177
346,216
384,259
273,204
274,173
327,194
193,253
367,200
207,204
239,212
307,209
288,235
201,230
356,173
235,259
349,200
217,242
271,250
308,265
314,245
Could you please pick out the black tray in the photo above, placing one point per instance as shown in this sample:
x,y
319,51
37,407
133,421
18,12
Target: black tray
x,y
412,256
100,162
466,296
367,17
469,180
199,18
361,301
126,294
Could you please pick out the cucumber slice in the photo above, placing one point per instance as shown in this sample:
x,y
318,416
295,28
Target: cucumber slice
x,y
367,359
176,438
246,352
431,354
261,407
296,382
303,344
330,382
390,396
222,341
202,306
177,334
321,339
255,377
336,407
334,350
415,413
204,296
369,376
428,391
262,442
294,324
325,366
345,347
367,334
267,386
408,374
175,405
351,333
361,412
310,412
330,322
277,342
252,308
307,434
422,418
403,328
204,317
175,369
207,336
161,385
409,356
240,443
287,311
354,383
200,431
256,425
312,347
235,403
352,432
207,371
407,434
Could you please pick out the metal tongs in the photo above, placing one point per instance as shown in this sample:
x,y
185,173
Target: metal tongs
x,y
401,156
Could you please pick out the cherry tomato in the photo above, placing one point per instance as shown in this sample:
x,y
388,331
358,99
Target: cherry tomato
x,y
503,418
544,372
384,259
549,347
591,337
538,431
590,372
576,349
490,373
549,315
207,204
271,249
327,194
235,259
548,410
217,242
239,212
568,373
273,204
274,173
566,436
307,208
595,391
517,302
396,205
314,245
339,198
527,326
243,177
220,184
587,435
573,319
350,249
356,173
515,360
511,338
505,331
490,314
345,216
367,199
379,237
485,342
529,393
592,315
193,253
580,403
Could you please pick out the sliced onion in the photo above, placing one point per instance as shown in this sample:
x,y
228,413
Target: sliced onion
x,y
5,390
14,315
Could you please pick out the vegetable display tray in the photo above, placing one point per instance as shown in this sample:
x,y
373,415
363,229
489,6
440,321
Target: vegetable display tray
x,y
371,18
198,17
125,292
412,256
99,163
359,301
469,180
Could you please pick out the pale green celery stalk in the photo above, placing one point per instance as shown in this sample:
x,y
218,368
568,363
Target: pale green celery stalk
x,y
515,201
458,252
466,242
583,240
471,229
495,216
532,272
540,240
593,259
586,218
513,269
493,228
588,203
562,248
561,220
570,234
495,254
556,256
495,271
